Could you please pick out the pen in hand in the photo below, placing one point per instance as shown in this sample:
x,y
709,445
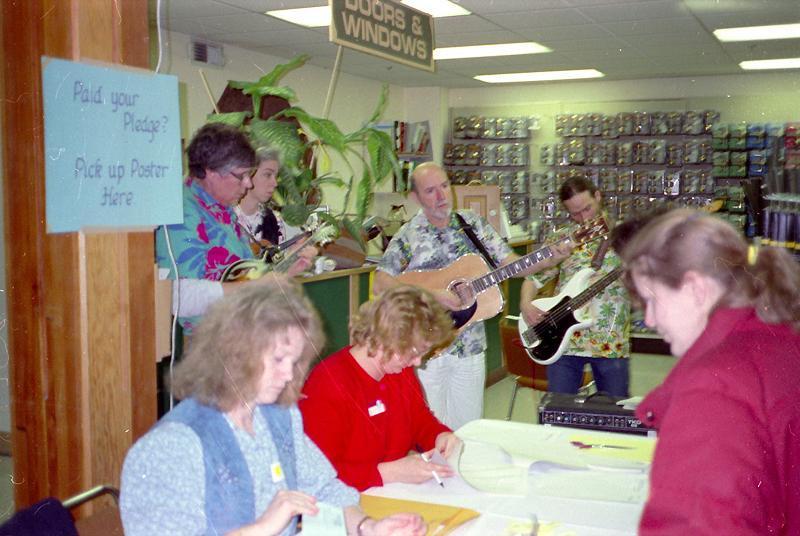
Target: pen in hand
x,y
436,476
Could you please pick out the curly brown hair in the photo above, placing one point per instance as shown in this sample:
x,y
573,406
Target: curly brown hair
x,y
401,318
686,240
224,360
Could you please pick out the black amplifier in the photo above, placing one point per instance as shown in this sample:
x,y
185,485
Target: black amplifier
x,y
591,412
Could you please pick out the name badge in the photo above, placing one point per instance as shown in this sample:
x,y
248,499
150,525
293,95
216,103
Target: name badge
x,y
277,472
377,409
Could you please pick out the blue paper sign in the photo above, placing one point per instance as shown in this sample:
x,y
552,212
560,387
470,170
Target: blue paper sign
x,y
112,143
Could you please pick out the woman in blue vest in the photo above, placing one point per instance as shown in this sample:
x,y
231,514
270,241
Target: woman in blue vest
x,y
232,457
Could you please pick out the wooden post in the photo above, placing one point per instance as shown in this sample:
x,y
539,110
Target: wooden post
x,y
80,306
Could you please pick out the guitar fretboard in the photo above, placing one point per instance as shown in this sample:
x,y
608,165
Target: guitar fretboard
x,y
596,288
509,270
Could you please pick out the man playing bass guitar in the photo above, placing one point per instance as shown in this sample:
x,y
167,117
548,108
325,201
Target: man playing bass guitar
x,y
453,381
605,346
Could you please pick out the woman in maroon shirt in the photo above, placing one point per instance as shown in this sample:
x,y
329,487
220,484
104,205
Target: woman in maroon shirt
x,y
364,406
728,454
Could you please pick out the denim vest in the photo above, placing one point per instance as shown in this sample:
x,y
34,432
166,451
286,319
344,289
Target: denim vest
x,y
229,499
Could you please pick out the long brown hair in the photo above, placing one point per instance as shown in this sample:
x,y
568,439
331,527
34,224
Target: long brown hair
x,y
224,360
400,318
767,278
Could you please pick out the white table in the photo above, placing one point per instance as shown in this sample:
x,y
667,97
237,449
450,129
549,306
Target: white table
x,y
619,515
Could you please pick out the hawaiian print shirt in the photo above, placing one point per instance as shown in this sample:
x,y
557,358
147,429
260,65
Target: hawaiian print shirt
x,y
205,243
418,245
610,310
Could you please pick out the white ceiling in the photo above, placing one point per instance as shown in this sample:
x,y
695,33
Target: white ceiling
x,y
624,39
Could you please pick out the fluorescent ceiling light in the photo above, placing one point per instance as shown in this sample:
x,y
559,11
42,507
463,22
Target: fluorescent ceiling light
x,y
759,33
482,51
437,8
786,63
315,17
541,76
311,17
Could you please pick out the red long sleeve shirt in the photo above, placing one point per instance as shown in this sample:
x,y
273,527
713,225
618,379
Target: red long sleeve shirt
x,y
359,422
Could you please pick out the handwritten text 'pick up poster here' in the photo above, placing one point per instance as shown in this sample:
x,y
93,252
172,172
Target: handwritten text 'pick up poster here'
x,y
112,144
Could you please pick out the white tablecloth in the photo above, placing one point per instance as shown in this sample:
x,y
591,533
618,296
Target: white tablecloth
x,y
619,515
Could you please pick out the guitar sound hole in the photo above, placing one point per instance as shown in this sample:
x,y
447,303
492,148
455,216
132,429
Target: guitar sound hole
x,y
462,290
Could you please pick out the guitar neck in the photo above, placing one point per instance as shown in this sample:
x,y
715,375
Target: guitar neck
x,y
596,288
509,270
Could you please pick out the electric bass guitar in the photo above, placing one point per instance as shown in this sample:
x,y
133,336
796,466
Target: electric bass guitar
x,y
274,259
476,286
546,341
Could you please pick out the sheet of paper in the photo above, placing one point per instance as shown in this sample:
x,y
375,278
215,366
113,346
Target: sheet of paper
x,y
328,522
441,519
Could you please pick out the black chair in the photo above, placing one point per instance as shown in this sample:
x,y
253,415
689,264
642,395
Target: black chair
x,y
51,517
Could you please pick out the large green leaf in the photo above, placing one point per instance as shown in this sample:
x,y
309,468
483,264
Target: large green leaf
x,y
381,154
278,91
295,214
235,119
279,135
383,99
281,70
363,197
324,130
354,228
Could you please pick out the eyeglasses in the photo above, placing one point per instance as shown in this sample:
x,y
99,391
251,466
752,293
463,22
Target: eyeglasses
x,y
248,173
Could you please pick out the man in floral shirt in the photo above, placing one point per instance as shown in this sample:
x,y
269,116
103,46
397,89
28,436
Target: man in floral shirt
x,y
453,381
606,345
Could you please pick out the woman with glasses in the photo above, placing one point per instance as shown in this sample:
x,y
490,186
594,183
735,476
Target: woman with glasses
x,y
232,457
364,405
221,162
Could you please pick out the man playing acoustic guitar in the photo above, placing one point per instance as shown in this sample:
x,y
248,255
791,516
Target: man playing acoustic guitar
x,y
453,381
605,346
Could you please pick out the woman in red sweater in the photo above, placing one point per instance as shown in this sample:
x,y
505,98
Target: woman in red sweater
x,y
364,406
728,455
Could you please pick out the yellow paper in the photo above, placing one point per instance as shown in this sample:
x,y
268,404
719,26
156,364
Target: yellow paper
x,y
441,519
636,449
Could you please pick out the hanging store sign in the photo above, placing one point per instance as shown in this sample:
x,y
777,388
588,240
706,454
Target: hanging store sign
x,y
384,28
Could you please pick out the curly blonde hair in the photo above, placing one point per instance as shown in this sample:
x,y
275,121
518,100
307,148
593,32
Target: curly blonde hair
x,y
401,318
686,240
224,362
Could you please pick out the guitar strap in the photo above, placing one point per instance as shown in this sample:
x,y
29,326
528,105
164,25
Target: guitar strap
x,y
467,228
602,249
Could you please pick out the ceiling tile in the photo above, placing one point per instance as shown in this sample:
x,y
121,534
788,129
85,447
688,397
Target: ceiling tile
x,y
183,9
642,10
559,33
538,19
500,6
470,23
478,38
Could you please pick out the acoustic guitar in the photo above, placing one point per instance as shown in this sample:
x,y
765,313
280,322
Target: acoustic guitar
x,y
476,285
546,341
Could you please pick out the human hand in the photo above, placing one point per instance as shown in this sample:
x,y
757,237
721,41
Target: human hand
x,y
560,251
412,469
532,314
447,443
305,259
284,506
404,524
448,300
